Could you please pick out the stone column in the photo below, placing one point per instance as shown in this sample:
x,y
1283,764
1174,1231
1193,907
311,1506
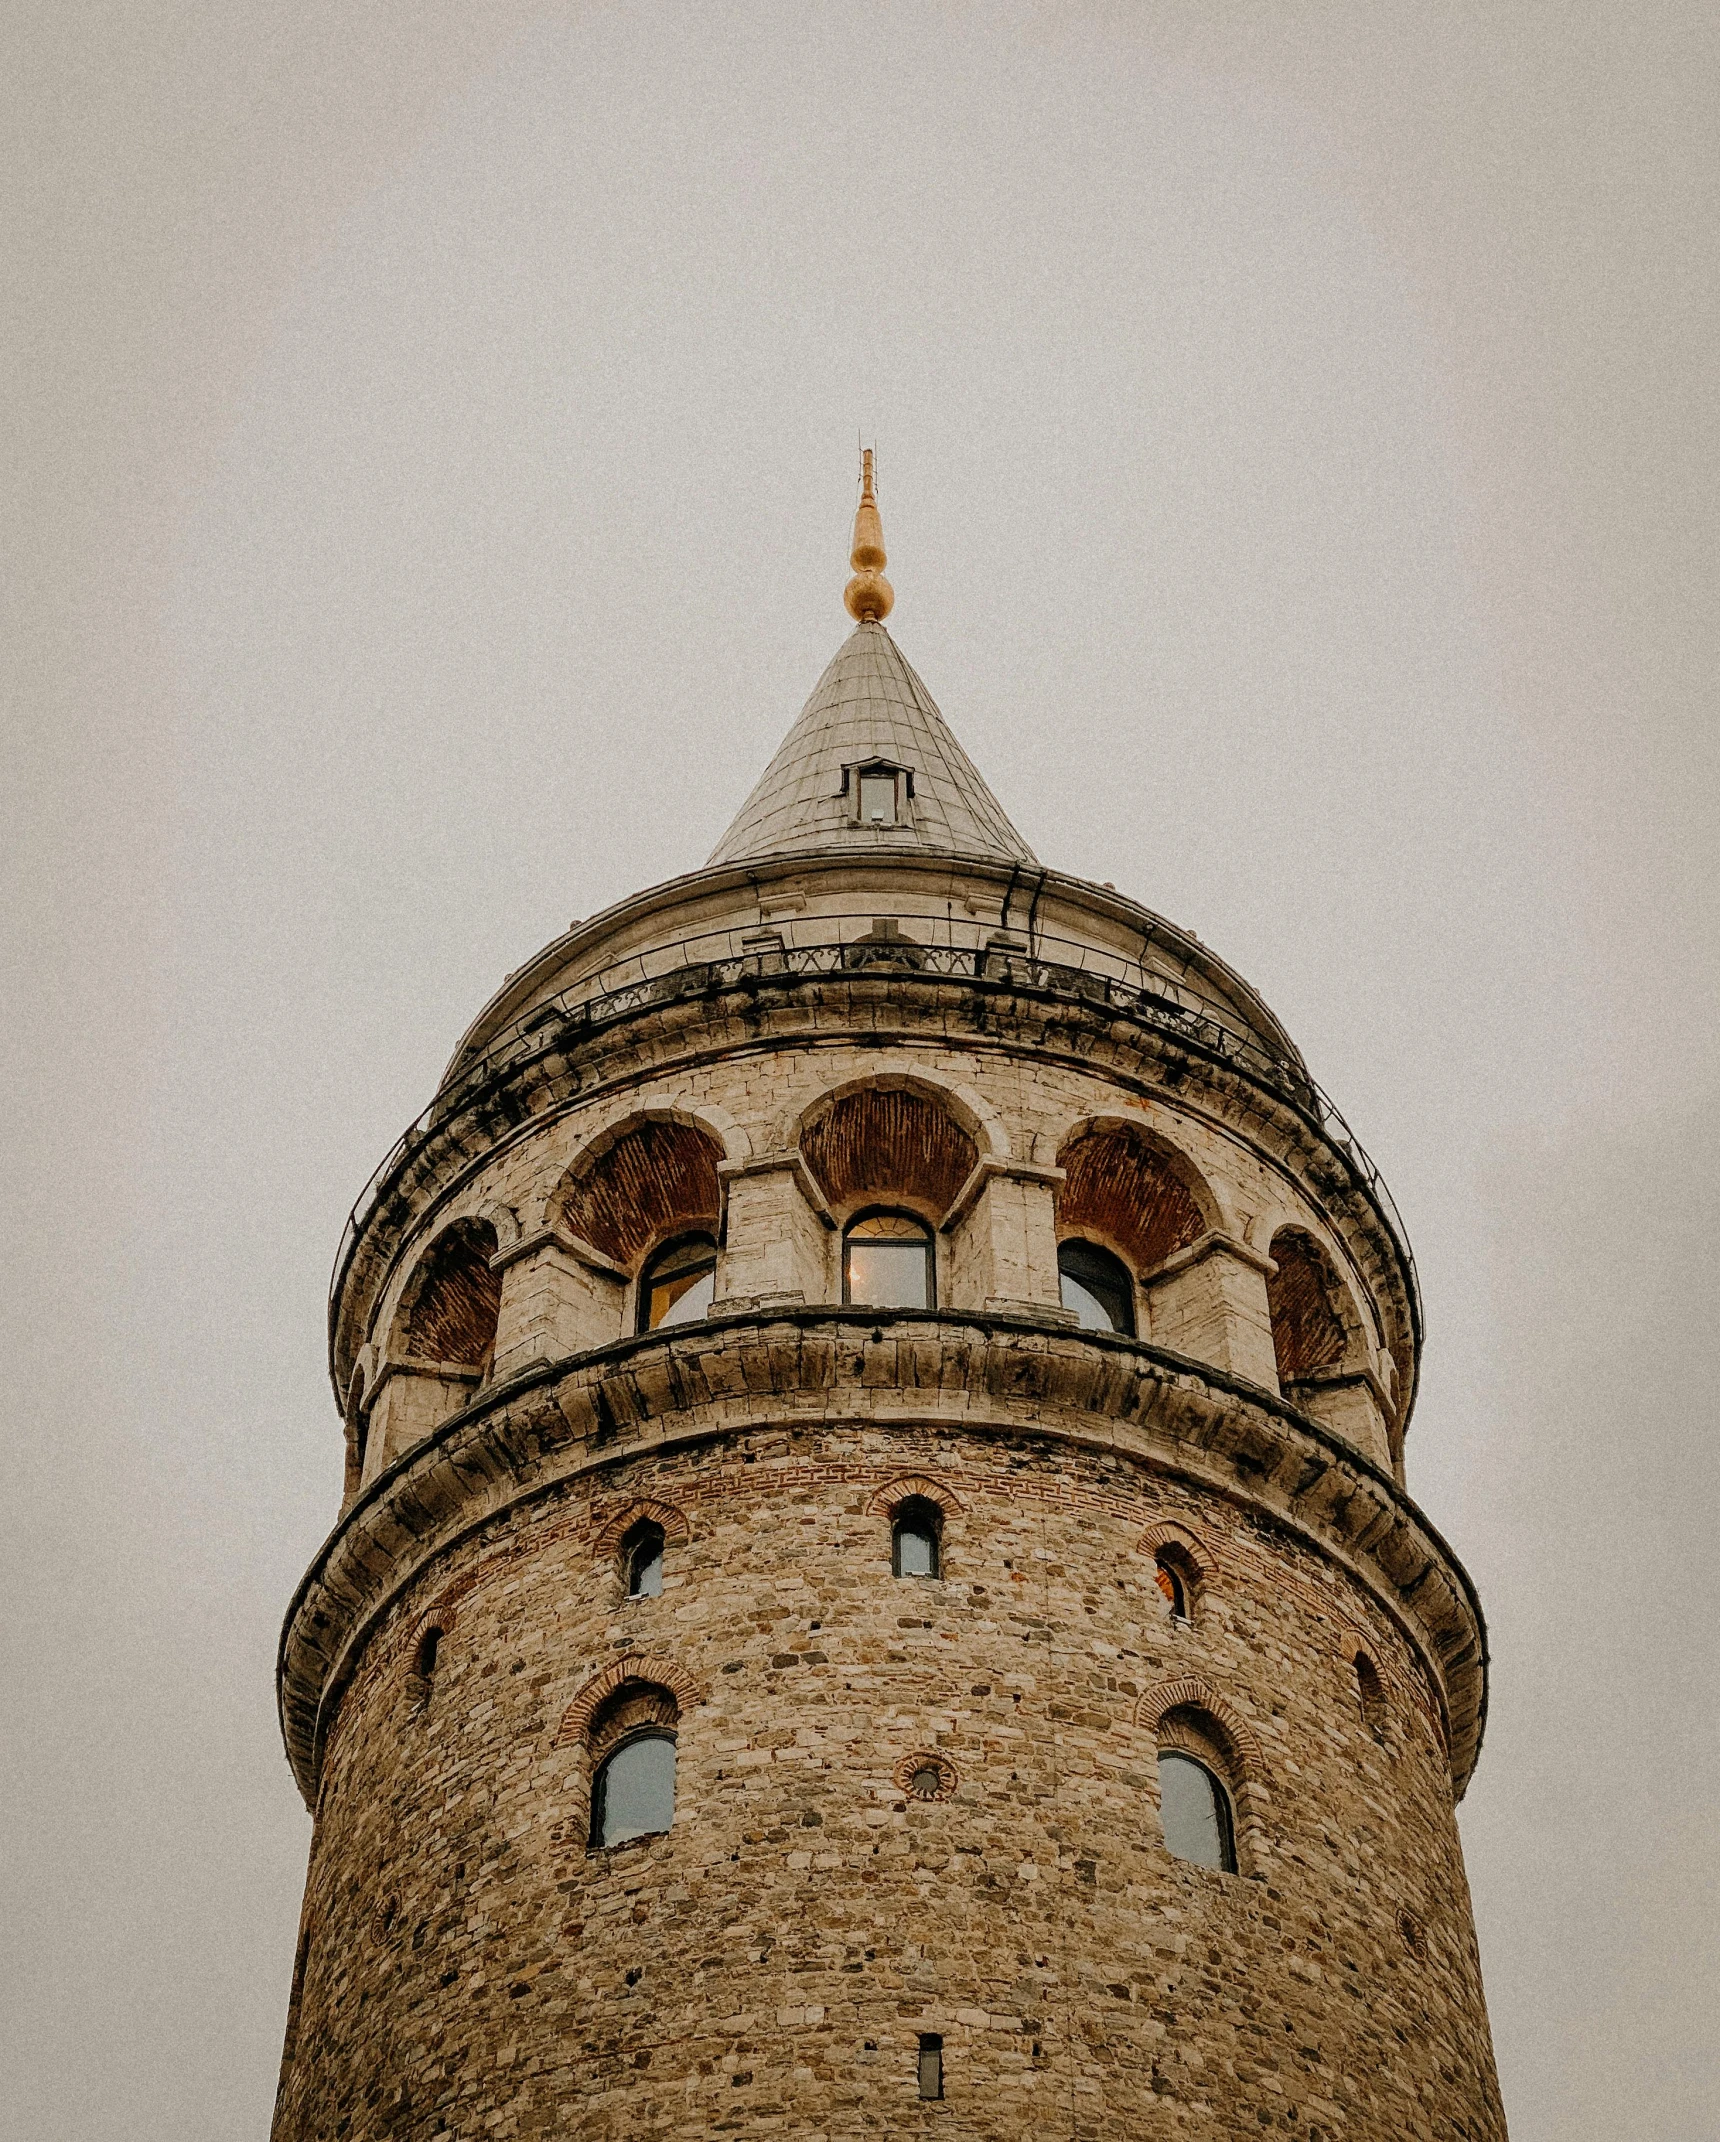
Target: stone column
x,y
1351,1404
776,1235
412,1399
1209,1302
1002,1231
559,1297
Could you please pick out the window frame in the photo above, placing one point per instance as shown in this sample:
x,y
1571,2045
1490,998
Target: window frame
x,y
1107,1257
652,1270
1223,1808
599,1776
929,1236
918,1514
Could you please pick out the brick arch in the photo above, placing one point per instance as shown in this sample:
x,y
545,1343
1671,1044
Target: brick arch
x,y
645,1667
1189,1693
1172,1534
645,1179
1128,1188
1314,1320
449,1308
913,1487
615,1527
891,1137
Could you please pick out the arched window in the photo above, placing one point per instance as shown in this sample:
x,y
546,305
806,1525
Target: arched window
x,y
424,1658
1194,1811
633,1794
679,1283
887,1262
1170,1573
1372,1695
916,1539
642,1560
1097,1286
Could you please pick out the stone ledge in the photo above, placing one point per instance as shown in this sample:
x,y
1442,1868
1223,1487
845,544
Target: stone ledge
x,y
991,1375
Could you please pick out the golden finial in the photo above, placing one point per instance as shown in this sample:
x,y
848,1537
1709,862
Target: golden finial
x,y
868,594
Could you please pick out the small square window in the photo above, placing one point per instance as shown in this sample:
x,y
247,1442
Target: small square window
x,y
877,799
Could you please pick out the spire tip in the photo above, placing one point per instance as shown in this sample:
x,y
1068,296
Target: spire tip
x,y
869,595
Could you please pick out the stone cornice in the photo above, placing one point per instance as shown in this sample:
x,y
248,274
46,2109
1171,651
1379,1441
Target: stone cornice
x,y
991,1375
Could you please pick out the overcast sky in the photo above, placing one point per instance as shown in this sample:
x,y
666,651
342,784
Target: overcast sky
x,y
431,441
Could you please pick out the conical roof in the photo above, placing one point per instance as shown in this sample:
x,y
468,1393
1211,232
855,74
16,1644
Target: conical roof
x,y
870,710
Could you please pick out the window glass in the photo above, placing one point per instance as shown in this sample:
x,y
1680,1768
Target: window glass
x,y
634,1795
887,1262
1195,1813
645,1562
931,2067
1097,1287
679,1284
878,799
915,1539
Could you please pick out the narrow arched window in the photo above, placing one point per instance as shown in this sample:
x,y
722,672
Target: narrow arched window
x,y
1194,1811
424,1659
1372,1696
887,1262
679,1283
1097,1286
633,1794
642,1560
1171,1581
916,1539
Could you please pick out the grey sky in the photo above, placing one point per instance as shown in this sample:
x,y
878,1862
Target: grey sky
x,y
432,446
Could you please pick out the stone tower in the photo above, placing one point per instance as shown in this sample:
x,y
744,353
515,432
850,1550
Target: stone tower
x,y
874,1593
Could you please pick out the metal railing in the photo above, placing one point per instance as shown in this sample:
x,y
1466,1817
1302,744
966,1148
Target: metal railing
x,y
813,947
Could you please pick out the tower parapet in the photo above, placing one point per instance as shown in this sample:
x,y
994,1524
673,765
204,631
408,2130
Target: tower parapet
x,y
874,1569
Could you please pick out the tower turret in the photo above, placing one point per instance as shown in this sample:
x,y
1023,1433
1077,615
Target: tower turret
x,y
874,1589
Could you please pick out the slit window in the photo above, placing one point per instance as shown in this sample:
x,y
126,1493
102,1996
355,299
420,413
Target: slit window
x,y
642,1560
931,2066
915,1540
1097,1286
633,1794
888,1262
679,1284
424,1659
1194,1811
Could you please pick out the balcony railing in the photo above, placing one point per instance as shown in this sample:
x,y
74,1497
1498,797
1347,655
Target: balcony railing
x,y
816,947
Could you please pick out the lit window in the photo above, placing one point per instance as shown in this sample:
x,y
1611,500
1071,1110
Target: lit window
x,y
1172,1583
931,2066
1194,1810
642,1559
1097,1287
634,1791
679,1284
877,799
887,1262
914,1540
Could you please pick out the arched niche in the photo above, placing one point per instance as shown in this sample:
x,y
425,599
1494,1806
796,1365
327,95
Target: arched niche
x,y
448,1311
643,1183
1314,1323
1127,1188
889,1142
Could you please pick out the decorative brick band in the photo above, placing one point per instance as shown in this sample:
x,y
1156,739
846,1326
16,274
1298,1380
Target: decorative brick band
x,y
913,1487
636,1666
619,1523
1189,1692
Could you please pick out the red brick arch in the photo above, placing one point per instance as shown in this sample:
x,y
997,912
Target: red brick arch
x,y
642,1666
619,1523
1189,1692
913,1487
1171,1534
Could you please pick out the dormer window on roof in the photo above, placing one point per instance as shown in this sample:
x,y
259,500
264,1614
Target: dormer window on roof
x,y
880,792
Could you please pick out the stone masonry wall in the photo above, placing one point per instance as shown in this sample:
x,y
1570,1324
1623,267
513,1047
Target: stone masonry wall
x,y
470,1968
